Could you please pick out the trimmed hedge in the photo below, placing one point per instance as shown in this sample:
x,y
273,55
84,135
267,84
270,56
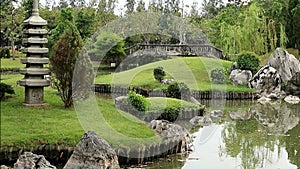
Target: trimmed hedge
x,y
248,61
5,88
159,73
137,101
218,76
178,91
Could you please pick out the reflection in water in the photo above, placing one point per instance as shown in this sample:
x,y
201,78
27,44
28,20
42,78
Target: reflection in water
x,y
250,137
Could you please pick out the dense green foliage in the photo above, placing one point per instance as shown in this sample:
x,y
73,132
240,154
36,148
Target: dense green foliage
x,y
138,101
218,76
5,88
4,53
65,53
159,73
178,90
248,61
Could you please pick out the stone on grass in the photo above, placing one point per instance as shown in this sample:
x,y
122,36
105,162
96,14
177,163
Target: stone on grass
x,y
240,77
28,160
92,152
292,99
286,64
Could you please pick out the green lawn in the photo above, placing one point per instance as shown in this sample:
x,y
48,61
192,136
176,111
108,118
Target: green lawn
x,y
53,124
10,63
160,103
194,71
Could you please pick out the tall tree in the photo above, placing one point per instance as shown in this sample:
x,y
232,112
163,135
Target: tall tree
x,y
129,6
63,4
66,52
85,22
140,6
28,5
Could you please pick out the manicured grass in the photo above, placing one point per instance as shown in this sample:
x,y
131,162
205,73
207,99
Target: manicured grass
x,y
194,71
10,63
160,103
53,124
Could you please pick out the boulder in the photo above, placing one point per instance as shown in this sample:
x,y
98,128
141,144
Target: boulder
x,y
93,152
240,115
216,113
4,167
240,77
286,64
293,85
29,160
170,131
292,99
200,121
167,81
267,83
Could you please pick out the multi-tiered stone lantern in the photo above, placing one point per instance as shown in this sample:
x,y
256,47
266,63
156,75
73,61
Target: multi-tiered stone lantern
x,y
34,81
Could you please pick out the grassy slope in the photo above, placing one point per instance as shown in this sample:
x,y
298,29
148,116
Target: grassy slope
x,y
54,124
160,103
193,71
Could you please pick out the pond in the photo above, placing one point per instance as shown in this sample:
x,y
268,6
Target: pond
x,y
250,135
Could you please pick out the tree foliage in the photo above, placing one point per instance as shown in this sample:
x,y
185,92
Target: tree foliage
x,y
66,52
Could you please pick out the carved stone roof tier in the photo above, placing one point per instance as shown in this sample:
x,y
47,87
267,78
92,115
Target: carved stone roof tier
x,y
35,21
36,50
36,31
35,40
34,82
34,71
33,60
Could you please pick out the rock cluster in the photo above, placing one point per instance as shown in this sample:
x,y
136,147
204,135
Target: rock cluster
x,y
293,85
240,77
286,64
92,152
267,83
170,131
32,161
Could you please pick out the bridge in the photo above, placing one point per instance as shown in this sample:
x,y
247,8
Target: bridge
x,y
205,50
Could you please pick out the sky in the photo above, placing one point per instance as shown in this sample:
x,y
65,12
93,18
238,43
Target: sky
x,y
121,3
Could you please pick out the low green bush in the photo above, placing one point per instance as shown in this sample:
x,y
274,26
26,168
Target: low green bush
x,y
138,101
170,113
248,61
4,53
5,88
218,76
178,91
159,73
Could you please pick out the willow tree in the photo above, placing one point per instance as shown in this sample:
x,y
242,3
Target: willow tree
x,y
252,31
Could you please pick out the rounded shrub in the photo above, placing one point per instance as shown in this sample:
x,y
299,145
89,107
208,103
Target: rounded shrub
x,y
248,61
5,88
138,101
218,76
159,73
170,113
4,53
178,91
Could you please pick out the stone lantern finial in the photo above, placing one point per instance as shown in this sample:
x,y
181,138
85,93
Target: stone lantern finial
x,y
35,10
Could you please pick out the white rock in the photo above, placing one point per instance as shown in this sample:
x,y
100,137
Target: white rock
x,y
292,99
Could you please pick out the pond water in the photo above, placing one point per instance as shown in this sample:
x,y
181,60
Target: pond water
x,y
250,135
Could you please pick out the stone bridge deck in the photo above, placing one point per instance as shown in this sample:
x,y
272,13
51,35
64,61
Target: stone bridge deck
x,y
205,50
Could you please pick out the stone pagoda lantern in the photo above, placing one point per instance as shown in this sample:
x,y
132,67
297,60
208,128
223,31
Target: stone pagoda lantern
x,y
34,72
